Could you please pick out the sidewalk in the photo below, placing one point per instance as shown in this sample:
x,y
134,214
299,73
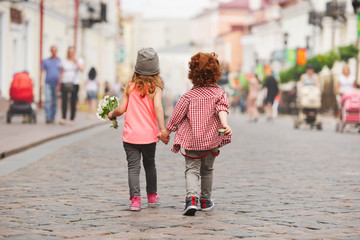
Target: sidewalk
x,y
17,137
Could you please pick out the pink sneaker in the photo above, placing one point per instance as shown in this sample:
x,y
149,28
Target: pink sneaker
x,y
153,199
135,203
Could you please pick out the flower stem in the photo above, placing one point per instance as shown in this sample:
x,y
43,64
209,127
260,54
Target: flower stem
x,y
115,123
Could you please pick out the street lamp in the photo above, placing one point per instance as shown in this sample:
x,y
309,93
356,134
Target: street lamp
x,y
286,38
307,40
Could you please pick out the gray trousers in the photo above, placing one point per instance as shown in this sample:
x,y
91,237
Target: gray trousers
x,y
133,155
199,174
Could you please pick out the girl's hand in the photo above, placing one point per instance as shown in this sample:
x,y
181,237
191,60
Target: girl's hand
x,y
110,115
228,130
164,136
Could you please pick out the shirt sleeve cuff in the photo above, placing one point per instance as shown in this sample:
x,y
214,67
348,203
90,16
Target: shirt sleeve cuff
x,y
222,108
171,127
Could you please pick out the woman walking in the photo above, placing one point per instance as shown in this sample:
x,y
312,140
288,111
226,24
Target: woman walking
x,y
69,83
254,85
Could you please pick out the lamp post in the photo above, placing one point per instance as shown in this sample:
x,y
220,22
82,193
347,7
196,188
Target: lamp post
x,y
285,39
76,22
41,47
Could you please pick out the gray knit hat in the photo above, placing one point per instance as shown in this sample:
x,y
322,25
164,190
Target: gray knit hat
x,y
147,62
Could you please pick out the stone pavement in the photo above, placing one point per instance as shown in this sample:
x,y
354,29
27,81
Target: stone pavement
x,y
16,137
271,182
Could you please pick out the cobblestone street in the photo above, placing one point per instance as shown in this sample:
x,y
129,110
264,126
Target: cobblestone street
x,y
271,182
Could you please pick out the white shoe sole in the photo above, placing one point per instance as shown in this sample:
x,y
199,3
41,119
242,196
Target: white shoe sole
x,y
190,211
153,204
135,209
209,208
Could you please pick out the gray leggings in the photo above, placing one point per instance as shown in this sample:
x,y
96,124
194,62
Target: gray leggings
x,y
133,155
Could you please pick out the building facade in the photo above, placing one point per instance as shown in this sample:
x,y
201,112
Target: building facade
x,y
20,38
287,27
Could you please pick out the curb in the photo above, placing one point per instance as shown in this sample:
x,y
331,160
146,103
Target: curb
x,y
23,148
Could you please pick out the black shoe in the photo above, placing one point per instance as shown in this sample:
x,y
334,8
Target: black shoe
x,y
190,206
207,205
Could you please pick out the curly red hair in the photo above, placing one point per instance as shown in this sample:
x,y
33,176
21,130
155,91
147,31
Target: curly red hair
x,y
204,69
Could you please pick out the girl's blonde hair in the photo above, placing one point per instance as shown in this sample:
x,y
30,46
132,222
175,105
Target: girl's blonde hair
x,y
147,84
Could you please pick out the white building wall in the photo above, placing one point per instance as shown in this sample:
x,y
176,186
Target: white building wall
x,y
268,37
205,30
3,37
249,64
294,21
19,43
174,69
163,33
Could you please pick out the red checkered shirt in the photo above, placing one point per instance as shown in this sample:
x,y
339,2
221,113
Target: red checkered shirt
x,y
196,119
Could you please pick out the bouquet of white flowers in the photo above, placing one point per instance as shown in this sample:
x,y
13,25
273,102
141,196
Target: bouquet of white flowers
x,y
105,106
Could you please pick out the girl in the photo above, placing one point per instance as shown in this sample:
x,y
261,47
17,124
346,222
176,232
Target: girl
x,y
142,103
200,119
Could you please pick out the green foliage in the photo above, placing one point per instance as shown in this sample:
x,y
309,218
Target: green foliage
x,y
348,52
287,75
327,59
319,61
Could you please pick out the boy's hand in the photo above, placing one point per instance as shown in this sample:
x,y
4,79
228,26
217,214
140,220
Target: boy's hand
x,y
228,130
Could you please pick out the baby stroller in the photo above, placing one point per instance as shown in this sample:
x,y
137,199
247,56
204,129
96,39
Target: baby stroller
x,y
309,103
21,98
350,103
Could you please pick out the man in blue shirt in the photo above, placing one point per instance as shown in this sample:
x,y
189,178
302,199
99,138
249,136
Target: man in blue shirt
x,y
52,67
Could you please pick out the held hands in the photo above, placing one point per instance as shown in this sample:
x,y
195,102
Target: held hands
x,y
164,136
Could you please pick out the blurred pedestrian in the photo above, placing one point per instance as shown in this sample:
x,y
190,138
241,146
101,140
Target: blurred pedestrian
x,y
144,113
345,83
107,90
92,87
272,90
309,78
200,120
69,80
254,87
51,66
276,105
117,88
